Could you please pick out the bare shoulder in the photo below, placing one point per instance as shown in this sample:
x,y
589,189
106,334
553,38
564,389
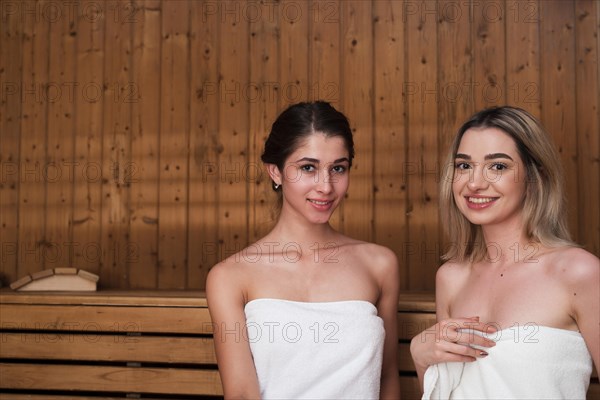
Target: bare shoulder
x,y
378,261
574,266
452,271
449,280
378,252
225,269
376,256
220,272
228,278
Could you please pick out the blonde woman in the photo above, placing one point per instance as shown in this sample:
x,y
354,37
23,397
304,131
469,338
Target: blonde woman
x,y
517,301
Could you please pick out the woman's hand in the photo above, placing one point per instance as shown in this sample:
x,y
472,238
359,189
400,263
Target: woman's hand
x,y
450,340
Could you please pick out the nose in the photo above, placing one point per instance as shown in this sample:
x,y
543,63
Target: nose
x,y
477,179
324,183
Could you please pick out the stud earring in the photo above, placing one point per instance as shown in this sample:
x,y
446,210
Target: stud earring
x,y
276,186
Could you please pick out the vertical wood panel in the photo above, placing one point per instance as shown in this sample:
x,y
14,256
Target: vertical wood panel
x,y
60,146
145,86
357,58
489,50
523,55
145,129
10,106
294,18
420,169
588,128
233,124
88,141
325,64
264,52
32,189
174,145
325,51
557,52
457,86
390,135
119,92
204,144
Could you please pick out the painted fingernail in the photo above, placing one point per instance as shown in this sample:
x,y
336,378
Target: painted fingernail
x,y
483,354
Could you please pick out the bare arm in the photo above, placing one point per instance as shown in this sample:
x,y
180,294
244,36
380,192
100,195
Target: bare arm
x,y
584,291
387,308
443,341
226,306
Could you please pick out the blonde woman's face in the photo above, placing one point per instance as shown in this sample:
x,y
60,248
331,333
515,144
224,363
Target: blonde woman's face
x,y
489,177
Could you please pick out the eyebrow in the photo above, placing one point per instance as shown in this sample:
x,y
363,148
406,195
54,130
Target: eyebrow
x,y
314,160
487,157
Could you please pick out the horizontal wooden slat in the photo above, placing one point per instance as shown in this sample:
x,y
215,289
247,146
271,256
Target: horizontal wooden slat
x,y
110,379
106,348
410,324
408,301
409,388
105,319
18,396
417,302
405,362
166,298
593,392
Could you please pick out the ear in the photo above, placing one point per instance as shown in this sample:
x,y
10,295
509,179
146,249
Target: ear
x,y
274,173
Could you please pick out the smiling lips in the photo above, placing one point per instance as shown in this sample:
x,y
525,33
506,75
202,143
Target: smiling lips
x,y
479,202
321,204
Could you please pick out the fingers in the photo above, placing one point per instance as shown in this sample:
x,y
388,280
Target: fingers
x,y
453,340
453,352
466,353
476,340
463,330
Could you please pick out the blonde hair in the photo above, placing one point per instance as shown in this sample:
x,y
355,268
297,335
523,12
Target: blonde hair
x,y
544,206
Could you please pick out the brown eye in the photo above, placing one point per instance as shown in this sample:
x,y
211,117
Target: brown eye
x,y
339,169
498,167
307,168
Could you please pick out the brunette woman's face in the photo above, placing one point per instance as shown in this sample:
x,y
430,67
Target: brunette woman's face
x,y
315,177
489,177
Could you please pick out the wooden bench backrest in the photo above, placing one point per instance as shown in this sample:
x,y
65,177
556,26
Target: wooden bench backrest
x,y
130,344
138,344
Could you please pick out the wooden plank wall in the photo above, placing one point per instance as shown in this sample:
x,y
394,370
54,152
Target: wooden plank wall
x,y
132,130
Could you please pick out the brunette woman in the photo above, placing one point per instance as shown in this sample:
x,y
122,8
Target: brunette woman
x,y
307,312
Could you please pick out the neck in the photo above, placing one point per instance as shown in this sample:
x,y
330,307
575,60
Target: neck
x,y
291,228
507,243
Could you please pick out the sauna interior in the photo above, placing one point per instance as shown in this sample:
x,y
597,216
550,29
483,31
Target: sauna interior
x,y
131,131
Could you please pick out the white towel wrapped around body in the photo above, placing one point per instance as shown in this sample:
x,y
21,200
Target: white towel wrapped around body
x,y
325,350
528,362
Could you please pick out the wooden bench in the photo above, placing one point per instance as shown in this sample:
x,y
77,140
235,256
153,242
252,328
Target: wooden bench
x,y
117,344
137,345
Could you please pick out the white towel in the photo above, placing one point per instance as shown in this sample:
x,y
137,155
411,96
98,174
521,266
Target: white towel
x,y
326,350
528,362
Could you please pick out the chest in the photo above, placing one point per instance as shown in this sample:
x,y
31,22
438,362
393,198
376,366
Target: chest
x,y
307,280
513,297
